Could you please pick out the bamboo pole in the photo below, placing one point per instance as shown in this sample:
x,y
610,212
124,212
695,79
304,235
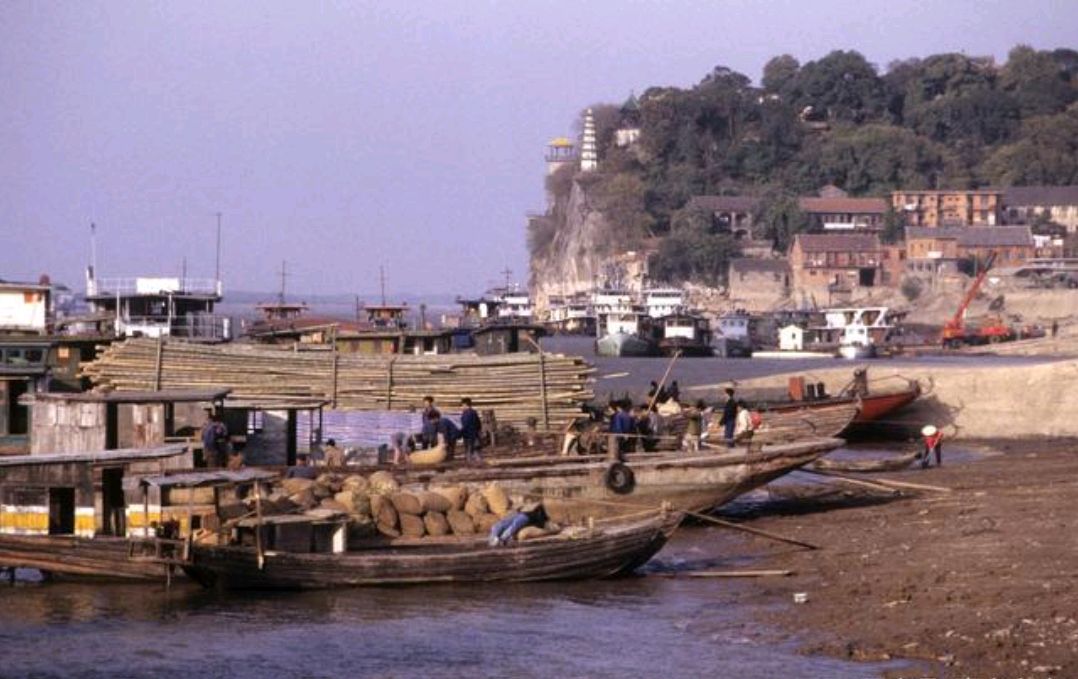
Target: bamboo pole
x,y
883,482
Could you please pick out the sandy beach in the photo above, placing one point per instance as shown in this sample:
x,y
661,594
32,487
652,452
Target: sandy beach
x,y
975,582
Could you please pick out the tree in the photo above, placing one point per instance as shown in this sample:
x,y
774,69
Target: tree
x,y
693,251
876,159
622,200
844,84
1046,153
779,218
778,73
1040,84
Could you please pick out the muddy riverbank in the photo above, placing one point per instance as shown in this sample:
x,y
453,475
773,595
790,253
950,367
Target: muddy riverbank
x,y
975,582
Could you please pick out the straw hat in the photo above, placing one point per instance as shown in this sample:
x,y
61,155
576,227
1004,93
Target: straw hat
x,y
928,430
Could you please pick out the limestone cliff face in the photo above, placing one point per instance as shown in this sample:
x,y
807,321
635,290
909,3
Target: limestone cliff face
x,y
579,254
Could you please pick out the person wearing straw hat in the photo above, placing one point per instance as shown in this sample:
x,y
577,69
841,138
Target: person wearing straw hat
x,y
933,439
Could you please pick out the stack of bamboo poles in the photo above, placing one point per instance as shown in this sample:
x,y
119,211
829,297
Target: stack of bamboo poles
x,y
547,387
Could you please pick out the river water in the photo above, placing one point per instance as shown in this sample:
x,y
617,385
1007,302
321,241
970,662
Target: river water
x,y
638,626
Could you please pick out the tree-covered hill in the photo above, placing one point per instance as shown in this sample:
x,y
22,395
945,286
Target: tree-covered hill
x,y
944,121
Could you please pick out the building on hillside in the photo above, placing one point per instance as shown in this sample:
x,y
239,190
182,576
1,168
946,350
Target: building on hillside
x,y
932,251
835,263
729,213
628,131
892,264
983,207
24,307
843,214
1025,204
757,284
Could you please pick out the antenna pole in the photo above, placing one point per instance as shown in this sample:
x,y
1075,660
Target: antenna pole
x,y
217,266
284,275
382,280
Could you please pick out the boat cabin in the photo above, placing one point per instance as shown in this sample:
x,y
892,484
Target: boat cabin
x,y
160,307
79,493
507,338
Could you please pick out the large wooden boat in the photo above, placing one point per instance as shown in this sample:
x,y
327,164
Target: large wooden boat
x,y
602,549
874,402
685,334
99,557
573,488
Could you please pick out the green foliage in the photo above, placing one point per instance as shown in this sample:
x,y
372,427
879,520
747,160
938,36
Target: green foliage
x,y
1047,153
876,159
693,251
622,200
779,218
842,84
894,225
911,288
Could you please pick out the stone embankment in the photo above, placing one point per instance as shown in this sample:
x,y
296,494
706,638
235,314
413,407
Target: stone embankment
x,y
997,399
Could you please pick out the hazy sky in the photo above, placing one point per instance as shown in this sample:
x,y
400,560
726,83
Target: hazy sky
x,y
341,136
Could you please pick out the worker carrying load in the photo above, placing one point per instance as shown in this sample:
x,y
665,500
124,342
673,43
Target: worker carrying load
x,y
933,440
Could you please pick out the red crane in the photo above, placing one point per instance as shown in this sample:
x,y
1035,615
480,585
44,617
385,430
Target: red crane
x,y
956,333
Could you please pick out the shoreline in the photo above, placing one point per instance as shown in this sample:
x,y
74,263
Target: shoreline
x,y
975,582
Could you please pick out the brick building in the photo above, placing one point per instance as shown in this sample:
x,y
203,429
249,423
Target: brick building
x,y
1025,204
982,207
835,262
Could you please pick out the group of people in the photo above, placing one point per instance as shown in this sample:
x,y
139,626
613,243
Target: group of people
x,y
442,431
639,427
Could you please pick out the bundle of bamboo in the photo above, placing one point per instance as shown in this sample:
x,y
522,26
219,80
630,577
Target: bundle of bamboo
x,y
547,387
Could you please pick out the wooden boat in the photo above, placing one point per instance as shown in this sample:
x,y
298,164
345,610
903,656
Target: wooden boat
x,y
891,464
874,403
685,334
603,549
100,557
573,488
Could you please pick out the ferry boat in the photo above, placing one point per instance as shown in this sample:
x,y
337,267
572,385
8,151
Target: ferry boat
x,y
572,315
857,332
735,338
661,302
626,333
686,333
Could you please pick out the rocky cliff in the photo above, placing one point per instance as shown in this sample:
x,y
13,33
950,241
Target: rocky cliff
x,y
580,254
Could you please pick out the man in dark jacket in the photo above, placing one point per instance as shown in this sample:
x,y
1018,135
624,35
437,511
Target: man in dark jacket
x,y
622,423
470,428
729,417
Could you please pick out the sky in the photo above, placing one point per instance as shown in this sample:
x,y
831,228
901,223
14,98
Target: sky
x,y
341,137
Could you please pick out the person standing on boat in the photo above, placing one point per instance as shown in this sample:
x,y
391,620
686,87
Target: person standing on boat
x,y
674,392
214,440
431,415
933,439
729,417
622,424
744,427
694,427
332,456
470,428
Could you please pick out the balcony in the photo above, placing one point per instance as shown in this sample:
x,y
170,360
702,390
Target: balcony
x,y
198,327
143,285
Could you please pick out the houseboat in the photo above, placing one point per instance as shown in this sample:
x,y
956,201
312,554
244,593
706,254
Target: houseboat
x,y
626,333
144,306
663,301
736,335
856,332
685,334
571,315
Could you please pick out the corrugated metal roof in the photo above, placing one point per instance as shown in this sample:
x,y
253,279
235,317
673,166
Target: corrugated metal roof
x,y
875,206
838,242
1040,195
974,236
749,264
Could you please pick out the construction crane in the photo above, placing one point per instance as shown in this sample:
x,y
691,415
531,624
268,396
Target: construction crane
x,y
955,331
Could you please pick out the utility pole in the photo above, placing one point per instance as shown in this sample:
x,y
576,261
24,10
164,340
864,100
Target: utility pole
x,y
382,280
284,276
508,277
217,267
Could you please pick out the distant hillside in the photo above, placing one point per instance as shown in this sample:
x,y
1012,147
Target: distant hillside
x,y
944,121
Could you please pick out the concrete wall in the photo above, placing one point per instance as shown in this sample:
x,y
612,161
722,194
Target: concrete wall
x,y
975,401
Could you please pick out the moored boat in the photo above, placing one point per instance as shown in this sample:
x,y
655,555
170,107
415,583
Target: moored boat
x,y
601,549
685,334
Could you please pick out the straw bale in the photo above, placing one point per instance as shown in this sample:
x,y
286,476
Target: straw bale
x,y
321,490
387,515
461,522
356,482
455,494
304,498
497,500
377,501
330,503
412,526
476,505
293,486
406,503
484,522
530,533
436,523
383,483
433,502
387,530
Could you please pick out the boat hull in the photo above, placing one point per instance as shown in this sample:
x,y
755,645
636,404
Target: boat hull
x,y
599,552
572,491
685,347
623,344
96,557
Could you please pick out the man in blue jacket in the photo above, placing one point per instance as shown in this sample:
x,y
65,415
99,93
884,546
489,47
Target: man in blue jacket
x,y
622,423
470,428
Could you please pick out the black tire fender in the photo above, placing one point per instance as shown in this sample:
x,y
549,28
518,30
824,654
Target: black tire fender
x,y
619,478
